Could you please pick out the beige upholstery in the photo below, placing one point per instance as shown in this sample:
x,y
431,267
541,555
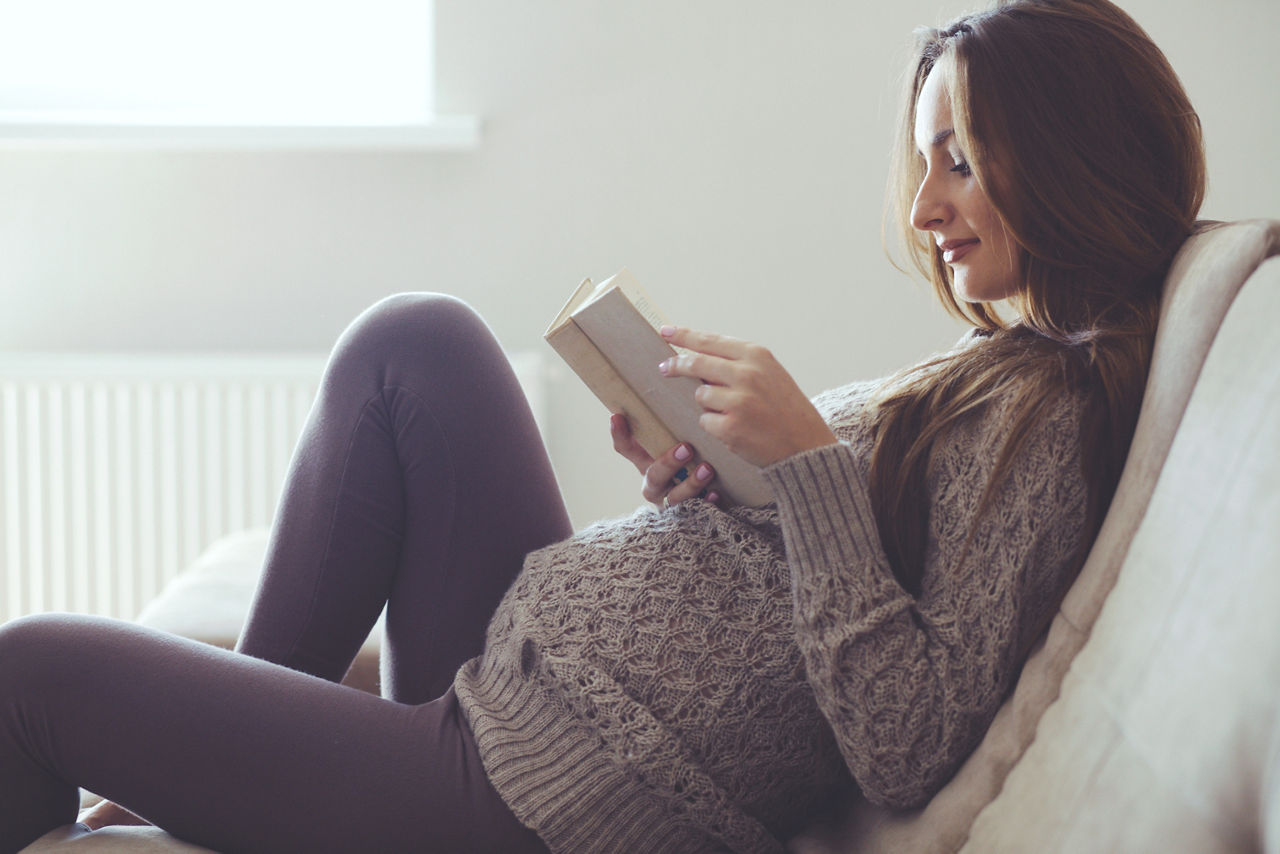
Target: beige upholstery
x,y
1162,733
1166,727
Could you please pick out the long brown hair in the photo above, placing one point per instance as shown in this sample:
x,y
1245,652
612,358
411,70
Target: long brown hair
x,y
1082,137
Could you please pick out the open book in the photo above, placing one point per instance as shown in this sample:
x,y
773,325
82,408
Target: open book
x,y
608,334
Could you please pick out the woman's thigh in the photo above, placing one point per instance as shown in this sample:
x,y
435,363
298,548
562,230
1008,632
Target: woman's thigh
x,y
235,753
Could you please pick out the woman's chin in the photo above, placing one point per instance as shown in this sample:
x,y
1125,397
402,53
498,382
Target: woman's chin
x,y
969,289
966,294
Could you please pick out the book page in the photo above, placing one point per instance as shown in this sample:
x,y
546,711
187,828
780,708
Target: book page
x,y
581,295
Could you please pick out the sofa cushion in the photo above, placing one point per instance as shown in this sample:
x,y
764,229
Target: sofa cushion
x,y
209,600
1205,277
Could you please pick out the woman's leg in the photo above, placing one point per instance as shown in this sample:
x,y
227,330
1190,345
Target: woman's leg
x,y
230,752
420,481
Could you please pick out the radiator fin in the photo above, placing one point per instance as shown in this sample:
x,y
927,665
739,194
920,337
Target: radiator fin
x,y
116,472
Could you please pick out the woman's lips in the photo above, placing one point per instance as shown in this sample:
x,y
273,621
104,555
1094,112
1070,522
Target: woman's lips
x,y
954,250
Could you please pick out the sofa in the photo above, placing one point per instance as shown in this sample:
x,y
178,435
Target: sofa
x,y
1147,719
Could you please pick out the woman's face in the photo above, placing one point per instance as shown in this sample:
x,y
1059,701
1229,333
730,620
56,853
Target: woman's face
x,y
952,207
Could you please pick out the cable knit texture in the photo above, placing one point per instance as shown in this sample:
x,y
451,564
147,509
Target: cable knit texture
x,y
700,679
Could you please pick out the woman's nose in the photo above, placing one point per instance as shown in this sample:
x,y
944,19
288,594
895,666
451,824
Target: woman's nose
x,y
928,211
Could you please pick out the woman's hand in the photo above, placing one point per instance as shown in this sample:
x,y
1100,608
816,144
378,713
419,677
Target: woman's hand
x,y
751,403
108,814
660,485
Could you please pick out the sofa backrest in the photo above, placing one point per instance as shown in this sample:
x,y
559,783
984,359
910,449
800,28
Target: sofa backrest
x,y
1166,734
1203,282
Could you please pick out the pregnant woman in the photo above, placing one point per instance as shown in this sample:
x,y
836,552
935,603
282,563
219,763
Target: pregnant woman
x,y
696,676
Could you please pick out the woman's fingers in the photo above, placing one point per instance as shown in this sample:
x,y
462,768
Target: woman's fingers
x,y
664,473
715,398
711,343
716,359
710,369
749,401
624,443
667,477
695,485
669,480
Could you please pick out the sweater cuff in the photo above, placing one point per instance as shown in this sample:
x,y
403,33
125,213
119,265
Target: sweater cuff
x,y
825,507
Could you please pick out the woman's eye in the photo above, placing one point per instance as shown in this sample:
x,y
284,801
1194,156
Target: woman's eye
x,y
962,168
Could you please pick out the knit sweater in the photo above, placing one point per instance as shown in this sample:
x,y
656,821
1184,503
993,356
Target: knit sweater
x,y
701,679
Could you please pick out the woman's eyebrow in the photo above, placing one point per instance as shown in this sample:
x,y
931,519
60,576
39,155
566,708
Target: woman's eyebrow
x,y
938,138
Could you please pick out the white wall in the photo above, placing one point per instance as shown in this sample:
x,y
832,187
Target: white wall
x,y
732,154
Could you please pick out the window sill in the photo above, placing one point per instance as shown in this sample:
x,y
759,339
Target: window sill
x,y
443,133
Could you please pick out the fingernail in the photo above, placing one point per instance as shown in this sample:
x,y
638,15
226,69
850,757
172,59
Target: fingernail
x,y
667,331
664,366
713,497
683,453
703,472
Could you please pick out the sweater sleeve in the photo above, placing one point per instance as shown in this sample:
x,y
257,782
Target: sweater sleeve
x,y
910,685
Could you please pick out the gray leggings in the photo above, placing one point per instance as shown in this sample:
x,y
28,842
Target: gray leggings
x,y
420,482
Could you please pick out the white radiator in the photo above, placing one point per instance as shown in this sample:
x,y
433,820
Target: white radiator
x,y
117,471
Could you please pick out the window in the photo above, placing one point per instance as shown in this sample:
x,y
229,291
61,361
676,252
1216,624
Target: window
x,y
224,72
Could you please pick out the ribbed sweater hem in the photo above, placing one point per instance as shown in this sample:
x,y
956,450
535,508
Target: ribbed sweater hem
x,y
557,775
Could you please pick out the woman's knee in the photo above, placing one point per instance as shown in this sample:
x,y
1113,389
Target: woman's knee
x,y
405,338
32,648
35,631
411,321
